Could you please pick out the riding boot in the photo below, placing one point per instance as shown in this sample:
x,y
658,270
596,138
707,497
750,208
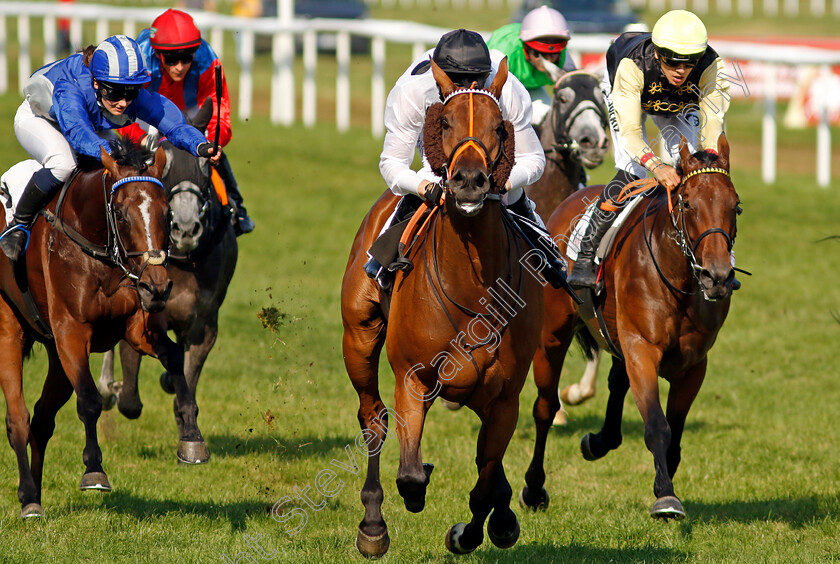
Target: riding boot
x,y
15,238
583,273
538,239
242,223
386,247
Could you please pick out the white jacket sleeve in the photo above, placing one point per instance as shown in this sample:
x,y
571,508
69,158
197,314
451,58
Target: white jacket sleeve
x,y
530,157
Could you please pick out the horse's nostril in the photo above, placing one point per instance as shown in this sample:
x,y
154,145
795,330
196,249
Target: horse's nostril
x,y
586,142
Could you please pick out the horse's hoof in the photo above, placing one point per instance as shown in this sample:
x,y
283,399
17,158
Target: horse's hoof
x,y
451,405
95,481
373,547
31,510
560,418
506,539
130,411
667,507
193,452
586,449
109,400
540,504
453,539
166,383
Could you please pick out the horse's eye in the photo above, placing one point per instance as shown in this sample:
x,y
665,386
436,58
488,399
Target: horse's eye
x,y
686,205
444,123
738,209
118,215
563,99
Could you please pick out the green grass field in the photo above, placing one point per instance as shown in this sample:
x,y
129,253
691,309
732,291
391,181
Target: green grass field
x,y
759,477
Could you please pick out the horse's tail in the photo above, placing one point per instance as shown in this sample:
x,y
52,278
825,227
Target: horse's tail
x,y
587,343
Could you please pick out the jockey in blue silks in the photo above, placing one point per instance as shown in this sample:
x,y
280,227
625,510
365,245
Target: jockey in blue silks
x,y
70,105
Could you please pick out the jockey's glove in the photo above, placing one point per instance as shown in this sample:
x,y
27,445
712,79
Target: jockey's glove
x,y
203,149
433,193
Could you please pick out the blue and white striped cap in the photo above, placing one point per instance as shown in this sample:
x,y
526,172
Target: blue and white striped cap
x,y
118,60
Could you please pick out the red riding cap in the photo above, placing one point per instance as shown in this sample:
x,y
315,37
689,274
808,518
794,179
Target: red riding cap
x,y
174,30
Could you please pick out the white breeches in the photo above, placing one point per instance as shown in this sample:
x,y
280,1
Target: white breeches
x,y
44,142
686,124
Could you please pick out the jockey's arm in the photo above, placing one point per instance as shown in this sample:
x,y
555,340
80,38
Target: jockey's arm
x,y
714,102
165,115
529,154
71,114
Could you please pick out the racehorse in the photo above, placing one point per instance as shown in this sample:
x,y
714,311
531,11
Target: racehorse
x,y
667,287
93,274
574,135
201,266
437,343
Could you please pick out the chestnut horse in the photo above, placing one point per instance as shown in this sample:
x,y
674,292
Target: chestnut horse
x,y
667,288
574,136
94,273
438,344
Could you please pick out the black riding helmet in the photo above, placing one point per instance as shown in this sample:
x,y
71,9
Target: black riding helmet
x,y
464,57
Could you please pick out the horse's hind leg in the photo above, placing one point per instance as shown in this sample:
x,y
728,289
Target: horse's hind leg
x,y
108,389
128,400
17,416
579,392
492,491
596,445
548,364
362,345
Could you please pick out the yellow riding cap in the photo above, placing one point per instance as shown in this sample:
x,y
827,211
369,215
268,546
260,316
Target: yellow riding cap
x,y
680,32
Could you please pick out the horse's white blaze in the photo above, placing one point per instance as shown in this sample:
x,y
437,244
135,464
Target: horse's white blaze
x,y
146,213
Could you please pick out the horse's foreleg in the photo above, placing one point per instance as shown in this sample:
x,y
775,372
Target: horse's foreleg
x,y
642,370
579,392
55,393
147,335
681,395
108,389
128,401
201,341
548,364
361,358
73,349
492,490
596,445
17,416
412,475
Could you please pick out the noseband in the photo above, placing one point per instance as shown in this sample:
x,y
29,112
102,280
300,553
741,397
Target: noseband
x,y
472,142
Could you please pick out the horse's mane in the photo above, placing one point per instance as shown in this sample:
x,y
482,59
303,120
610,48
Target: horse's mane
x,y
125,152
433,147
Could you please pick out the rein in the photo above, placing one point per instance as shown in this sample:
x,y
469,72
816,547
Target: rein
x,y
681,238
114,251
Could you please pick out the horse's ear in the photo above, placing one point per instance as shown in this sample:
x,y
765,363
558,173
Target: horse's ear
x,y
109,163
685,153
203,116
160,162
443,80
501,77
723,150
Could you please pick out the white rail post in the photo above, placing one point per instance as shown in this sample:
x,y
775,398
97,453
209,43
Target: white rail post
x,y
818,8
768,126
745,8
4,65
417,49
76,38
724,6
771,7
50,33
342,93
823,135
792,7
377,87
700,6
246,78
128,29
217,41
310,64
283,79
24,57
101,31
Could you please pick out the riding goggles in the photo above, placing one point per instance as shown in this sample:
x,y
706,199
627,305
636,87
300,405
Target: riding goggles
x,y
116,92
673,59
171,58
547,48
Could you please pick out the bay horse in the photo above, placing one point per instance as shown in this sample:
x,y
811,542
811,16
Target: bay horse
x,y
94,273
466,259
574,135
667,289
201,265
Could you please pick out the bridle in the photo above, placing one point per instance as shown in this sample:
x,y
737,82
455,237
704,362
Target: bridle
x,y
677,213
472,142
562,123
114,251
